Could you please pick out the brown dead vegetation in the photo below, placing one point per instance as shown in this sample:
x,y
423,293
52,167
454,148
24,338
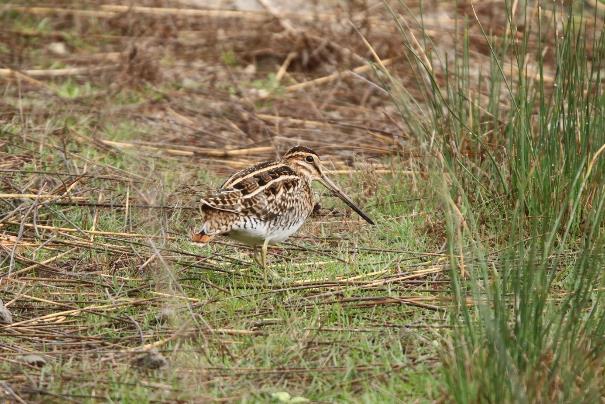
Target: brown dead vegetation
x,y
201,90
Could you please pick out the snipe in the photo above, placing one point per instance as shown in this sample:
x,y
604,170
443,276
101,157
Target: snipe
x,y
268,202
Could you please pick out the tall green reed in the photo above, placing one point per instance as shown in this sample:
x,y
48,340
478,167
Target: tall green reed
x,y
517,145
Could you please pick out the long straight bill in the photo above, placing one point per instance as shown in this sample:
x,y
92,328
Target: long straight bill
x,y
332,187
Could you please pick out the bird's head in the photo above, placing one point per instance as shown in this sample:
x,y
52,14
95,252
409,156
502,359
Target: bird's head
x,y
307,163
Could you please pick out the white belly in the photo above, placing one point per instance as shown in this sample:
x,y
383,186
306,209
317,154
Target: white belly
x,y
257,234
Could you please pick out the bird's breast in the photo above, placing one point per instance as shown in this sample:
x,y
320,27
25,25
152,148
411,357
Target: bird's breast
x,y
254,230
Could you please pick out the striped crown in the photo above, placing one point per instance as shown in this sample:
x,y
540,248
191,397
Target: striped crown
x,y
299,149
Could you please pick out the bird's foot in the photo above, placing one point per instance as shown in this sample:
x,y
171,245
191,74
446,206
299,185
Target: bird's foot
x,y
201,238
258,259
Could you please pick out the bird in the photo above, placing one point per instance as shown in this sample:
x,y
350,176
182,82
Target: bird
x,y
267,202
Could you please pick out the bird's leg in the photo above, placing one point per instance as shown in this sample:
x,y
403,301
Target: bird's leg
x,y
263,259
274,275
263,254
256,255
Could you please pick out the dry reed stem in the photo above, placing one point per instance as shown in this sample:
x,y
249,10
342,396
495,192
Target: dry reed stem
x,y
42,263
68,71
329,78
74,312
58,10
381,282
41,197
189,150
90,232
184,12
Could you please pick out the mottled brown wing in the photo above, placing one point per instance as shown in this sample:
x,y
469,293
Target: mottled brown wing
x,y
278,197
241,198
253,199
246,172
266,191
226,200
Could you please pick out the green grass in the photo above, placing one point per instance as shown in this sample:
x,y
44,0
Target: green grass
x,y
524,211
329,344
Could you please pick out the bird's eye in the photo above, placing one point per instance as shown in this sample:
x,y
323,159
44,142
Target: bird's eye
x,y
309,159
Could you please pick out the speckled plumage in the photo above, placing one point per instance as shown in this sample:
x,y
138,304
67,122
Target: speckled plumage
x,y
268,202
259,203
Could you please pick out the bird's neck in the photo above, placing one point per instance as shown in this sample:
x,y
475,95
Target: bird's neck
x,y
301,170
